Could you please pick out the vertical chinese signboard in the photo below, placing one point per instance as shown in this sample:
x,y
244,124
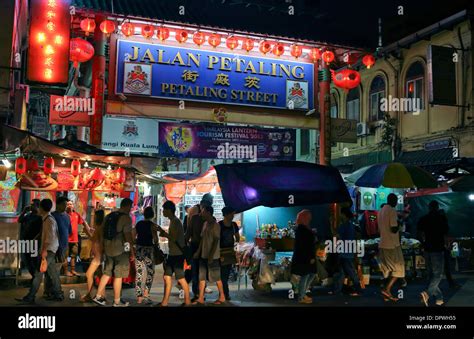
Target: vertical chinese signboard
x,y
48,51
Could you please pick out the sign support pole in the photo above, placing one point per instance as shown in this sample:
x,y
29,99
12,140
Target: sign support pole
x,y
324,118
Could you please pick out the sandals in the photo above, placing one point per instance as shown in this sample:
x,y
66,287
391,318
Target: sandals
x,y
197,303
218,302
388,297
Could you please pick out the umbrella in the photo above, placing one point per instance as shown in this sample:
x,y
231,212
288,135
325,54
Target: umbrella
x,y
463,184
396,175
351,179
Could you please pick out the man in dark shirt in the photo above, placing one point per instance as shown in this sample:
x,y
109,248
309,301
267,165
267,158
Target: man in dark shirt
x,y
433,229
31,224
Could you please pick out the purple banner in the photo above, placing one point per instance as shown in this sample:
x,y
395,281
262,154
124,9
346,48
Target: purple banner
x,y
213,141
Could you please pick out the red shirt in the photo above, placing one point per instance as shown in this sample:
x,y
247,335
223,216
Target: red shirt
x,y
76,220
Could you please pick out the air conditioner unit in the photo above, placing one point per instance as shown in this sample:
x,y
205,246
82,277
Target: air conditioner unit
x,y
361,128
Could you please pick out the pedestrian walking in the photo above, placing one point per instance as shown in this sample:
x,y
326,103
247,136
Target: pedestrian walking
x,y
229,237
31,224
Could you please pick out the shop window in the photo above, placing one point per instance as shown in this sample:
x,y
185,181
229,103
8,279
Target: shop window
x,y
353,105
304,142
414,87
376,94
334,108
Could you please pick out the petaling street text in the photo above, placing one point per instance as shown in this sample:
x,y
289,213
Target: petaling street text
x,y
222,63
218,93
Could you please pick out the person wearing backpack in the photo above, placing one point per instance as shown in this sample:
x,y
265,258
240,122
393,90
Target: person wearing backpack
x,y
119,251
49,247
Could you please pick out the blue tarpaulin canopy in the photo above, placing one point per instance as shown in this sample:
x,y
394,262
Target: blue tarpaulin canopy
x,y
280,184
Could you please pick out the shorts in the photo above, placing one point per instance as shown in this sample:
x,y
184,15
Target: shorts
x,y
118,267
210,272
174,264
392,262
72,250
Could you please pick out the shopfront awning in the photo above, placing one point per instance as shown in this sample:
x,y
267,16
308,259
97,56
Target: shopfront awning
x,y
280,184
13,138
432,161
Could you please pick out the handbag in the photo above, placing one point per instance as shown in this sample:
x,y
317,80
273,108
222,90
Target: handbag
x,y
44,265
228,256
158,255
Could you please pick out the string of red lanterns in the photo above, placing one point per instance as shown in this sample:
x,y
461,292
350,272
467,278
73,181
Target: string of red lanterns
x,y
88,25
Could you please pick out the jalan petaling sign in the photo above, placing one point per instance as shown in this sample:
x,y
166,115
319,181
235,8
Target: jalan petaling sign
x,y
161,71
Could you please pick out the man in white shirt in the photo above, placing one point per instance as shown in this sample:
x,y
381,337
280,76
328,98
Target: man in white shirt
x,y
49,247
390,251
209,255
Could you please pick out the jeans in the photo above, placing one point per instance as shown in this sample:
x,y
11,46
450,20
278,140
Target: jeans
x,y
48,285
305,282
52,272
225,273
195,270
435,266
346,268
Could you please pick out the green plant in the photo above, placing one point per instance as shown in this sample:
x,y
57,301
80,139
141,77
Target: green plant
x,y
389,127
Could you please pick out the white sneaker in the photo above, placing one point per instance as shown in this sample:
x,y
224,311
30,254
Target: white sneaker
x,y
439,302
425,298
208,290
121,303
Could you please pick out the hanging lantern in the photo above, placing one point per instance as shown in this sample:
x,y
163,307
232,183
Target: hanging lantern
x,y
80,50
162,33
75,167
346,79
107,27
278,49
315,54
147,31
248,44
48,166
88,25
265,47
181,36
199,38
296,51
214,40
368,60
122,175
32,165
232,42
128,29
328,56
20,166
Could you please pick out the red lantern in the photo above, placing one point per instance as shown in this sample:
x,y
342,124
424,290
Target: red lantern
x,y
214,40
107,27
315,54
20,166
199,38
32,165
122,175
248,44
128,29
75,167
328,56
346,79
296,51
147,31
162,33
278,49
80,50
88,25
181,36
48,166
265,47
368,60
232,42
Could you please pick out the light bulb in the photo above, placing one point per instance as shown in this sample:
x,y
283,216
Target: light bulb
x,y
193,192
86,164
109,167
63,162
214,190
471,197
7,163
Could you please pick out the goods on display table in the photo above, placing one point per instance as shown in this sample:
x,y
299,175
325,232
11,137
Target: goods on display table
x,y
270,236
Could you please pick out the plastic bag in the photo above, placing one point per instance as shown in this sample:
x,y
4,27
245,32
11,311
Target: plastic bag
x,y
44,265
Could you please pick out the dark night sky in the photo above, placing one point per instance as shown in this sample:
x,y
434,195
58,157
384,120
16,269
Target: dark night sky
x,y
346,22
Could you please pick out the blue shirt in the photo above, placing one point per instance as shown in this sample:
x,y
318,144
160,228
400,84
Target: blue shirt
x,y
64,228
347,232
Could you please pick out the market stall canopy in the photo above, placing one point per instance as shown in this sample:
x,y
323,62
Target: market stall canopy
x,y
187,183
13,138
396,175
280,184
352,178
463,184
